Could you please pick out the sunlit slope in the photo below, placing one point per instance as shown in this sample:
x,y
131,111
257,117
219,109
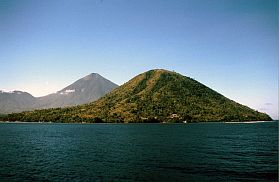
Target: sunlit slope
x,y
154,96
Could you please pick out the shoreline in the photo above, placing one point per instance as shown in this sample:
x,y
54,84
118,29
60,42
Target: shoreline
x,y
229,122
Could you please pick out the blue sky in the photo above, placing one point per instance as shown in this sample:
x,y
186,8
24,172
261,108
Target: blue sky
x,y
229,45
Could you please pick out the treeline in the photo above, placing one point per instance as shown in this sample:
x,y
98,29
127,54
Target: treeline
x,y
152,97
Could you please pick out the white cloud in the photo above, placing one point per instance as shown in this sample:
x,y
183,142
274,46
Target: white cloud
x,y
66,92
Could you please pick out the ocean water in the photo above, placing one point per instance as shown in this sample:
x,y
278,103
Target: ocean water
x,y
139,152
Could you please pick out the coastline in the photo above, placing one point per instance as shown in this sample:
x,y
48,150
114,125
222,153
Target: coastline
x,y
229,122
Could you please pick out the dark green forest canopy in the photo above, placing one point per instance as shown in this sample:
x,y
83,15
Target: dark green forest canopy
x,y
153,96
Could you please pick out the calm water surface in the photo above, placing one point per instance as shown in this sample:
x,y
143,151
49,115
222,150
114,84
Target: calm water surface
x,y
139,152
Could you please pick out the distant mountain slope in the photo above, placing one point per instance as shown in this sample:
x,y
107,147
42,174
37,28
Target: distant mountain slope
x,y
87,89
84,90
16,101
153,96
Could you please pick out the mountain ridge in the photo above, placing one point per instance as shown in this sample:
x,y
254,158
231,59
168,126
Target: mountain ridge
x,y
86,89
153,96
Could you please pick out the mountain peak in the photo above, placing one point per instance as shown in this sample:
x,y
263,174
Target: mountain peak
x,y
89,88
84,90
168,96
154,96
91,76
159,71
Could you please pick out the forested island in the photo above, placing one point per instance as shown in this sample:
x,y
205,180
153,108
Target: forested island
x,y
151,97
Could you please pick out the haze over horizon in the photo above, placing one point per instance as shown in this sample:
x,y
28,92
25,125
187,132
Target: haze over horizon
x,y
230,46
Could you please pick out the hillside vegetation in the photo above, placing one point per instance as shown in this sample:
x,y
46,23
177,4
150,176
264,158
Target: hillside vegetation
x,y
153,96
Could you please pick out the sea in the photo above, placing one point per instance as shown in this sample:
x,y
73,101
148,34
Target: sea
x,y
139,152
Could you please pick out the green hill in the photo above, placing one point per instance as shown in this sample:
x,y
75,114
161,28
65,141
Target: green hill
x,y
153,96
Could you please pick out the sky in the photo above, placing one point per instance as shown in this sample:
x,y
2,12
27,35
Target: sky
x,y
229,45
